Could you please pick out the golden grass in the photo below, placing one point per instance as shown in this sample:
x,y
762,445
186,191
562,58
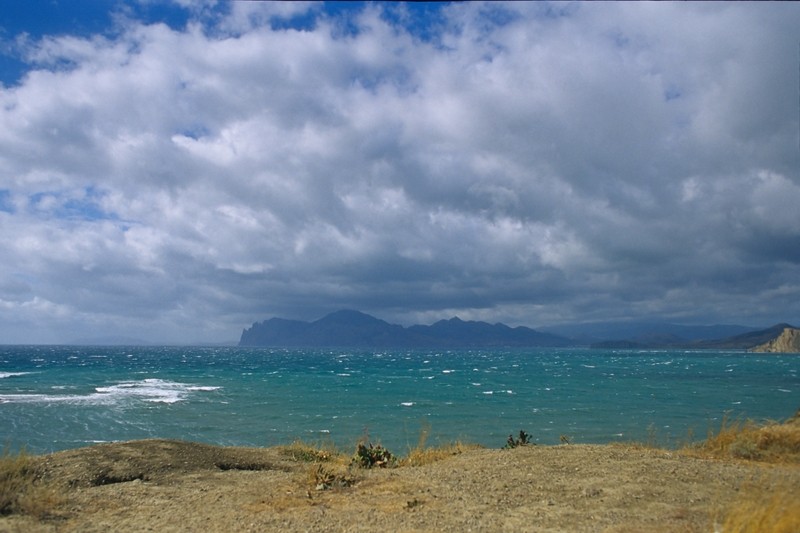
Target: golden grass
x,y
309,453
21,490
772,442
423,455
763,507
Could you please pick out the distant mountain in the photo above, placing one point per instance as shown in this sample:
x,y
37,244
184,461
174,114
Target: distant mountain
x,y
109,341
741,341
355,329
747,340
457,332
644,332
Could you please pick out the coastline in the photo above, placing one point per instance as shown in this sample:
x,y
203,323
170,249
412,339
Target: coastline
x,y
168,485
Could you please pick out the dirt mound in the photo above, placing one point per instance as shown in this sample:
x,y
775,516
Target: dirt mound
x,y
151,460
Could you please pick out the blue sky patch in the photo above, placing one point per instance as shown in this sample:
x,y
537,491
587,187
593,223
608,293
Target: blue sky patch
x,y
5,201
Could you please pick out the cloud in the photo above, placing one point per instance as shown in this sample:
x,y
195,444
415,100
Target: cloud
x,y
530,163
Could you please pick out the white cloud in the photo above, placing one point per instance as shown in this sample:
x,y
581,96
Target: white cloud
x,y
566,163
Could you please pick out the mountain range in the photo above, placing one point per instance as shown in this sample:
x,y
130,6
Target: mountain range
x,y
742,341
354,329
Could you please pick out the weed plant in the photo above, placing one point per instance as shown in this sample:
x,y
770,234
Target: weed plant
x,y
523,440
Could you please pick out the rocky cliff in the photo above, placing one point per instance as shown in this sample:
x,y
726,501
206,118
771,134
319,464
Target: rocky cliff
x,y
786,342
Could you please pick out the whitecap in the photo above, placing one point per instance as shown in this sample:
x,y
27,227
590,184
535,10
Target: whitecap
x,y
784,390
12,374
406,404
147,390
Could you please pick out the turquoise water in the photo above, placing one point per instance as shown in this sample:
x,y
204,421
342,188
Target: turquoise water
x,y
58,397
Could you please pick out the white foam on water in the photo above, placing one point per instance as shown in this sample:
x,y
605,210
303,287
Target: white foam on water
x,y
146,390
4,375
406,404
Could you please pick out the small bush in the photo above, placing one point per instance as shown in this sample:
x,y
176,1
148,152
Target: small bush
x,y
324,477
369,456
523,440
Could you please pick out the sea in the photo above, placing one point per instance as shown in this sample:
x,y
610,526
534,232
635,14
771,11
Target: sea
x,y
59,397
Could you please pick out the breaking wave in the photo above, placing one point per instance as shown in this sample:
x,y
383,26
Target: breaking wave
x,y
146,390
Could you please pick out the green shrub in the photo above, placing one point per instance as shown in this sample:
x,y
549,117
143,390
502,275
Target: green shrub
x,y
369,456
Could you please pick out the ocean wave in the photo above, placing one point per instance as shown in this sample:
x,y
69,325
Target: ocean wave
x,y
147,390
4,375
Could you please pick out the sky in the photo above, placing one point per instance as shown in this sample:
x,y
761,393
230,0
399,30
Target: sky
x,y
177,170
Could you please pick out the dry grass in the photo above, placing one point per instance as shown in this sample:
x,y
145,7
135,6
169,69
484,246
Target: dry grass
x,y
771,443
423,454
763,507
329,467
21,490
309,453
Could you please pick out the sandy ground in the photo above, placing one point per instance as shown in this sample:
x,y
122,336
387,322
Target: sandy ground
x,y
159,485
